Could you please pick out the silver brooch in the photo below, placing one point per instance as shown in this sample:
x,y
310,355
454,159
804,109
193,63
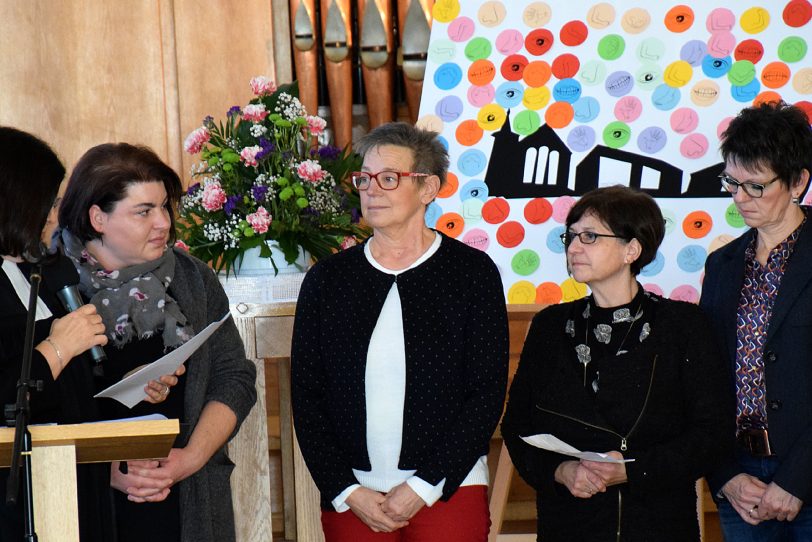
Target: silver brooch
x,y
645,332
569,328
586,311
582,351
621,315
603,332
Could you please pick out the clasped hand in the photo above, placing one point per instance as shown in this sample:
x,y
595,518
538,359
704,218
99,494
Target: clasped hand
x,y
151,480
586,478
757,501
385,513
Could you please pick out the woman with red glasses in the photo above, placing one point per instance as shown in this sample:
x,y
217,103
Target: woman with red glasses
x,y
399,361
622,372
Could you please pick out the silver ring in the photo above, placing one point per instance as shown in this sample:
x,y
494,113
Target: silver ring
x,y
753,509
165,391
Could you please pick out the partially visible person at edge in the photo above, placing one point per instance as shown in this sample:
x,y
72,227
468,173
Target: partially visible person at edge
x,y
758,294
399,361
624,372
117,220
30,176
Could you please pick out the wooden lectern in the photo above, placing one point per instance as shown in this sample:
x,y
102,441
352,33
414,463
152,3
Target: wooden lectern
x,y
58,448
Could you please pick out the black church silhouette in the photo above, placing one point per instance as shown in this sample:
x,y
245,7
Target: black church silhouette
x,y
539,166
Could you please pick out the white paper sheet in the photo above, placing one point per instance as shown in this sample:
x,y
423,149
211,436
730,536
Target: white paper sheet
x,y
554,444
129,391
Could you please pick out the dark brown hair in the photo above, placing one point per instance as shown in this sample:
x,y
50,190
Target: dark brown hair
x,y
103,175
629,214
30,174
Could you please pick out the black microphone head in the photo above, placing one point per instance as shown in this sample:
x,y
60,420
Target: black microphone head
x,y
59,273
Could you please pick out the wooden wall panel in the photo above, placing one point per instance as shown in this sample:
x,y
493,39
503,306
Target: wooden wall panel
x,y
80,73
219,49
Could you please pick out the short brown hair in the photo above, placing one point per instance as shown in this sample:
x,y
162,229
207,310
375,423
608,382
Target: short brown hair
x,y
103,175
629,213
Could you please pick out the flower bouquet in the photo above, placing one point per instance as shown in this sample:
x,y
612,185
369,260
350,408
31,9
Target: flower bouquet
x,y
264,176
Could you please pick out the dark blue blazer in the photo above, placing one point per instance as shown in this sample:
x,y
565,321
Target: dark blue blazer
x,y
787,355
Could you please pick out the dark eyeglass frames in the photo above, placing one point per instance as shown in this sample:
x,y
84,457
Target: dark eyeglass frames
x,y
754,190
586,237
387,180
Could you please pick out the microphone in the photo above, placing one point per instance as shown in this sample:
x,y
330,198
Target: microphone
x,y
62,278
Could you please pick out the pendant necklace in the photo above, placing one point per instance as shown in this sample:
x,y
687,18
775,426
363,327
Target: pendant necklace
x,y
603,333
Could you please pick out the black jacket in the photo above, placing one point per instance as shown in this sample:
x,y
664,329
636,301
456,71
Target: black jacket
x,y
673,436
787,355
456,340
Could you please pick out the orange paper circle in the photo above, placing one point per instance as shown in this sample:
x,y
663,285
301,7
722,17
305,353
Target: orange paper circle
x,y
697,224
548,293
450,224
481,72
537,73
452,183
768,96
559,115
775,75
679,19
468,132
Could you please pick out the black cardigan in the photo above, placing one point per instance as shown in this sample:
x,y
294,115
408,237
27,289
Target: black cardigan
x,y
679,437
456,340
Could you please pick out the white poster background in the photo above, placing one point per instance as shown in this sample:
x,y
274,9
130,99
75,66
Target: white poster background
x,y
664,57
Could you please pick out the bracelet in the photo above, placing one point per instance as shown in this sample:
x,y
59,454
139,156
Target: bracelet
x,y
56,349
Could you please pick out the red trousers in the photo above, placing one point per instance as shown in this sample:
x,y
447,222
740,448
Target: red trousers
x,y
464,518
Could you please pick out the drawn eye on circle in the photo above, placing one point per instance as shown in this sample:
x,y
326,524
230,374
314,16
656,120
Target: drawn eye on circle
x,y
540,42
698,224
680,18
617,134
510,93
491,118
515,67
450,225
718,63
648,77
474,193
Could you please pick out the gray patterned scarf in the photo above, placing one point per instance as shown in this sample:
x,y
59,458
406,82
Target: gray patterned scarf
x,y
133,302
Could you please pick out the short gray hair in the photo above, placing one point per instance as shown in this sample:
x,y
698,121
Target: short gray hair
x,y
428,153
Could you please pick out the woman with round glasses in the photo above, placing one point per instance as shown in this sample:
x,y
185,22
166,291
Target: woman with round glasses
x,y
622,372
758,294
399,361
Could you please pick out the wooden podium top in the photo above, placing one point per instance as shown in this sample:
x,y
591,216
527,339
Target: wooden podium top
x,y
101,442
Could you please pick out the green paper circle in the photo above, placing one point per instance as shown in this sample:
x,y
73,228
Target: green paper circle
x,y
611,47
526,122
733,218
477,49
741,73
792,49
525,262
616,134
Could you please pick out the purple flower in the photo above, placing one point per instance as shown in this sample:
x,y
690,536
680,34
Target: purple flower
x,y
234,111
259,192
329,152
208,122
192,189
355,215
231,203
267,148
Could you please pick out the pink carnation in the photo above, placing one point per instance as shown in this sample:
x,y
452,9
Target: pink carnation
x,y
310,170
254,112
181,245
316,125
262,86
260,220
195,140
249,155
213,196
348,242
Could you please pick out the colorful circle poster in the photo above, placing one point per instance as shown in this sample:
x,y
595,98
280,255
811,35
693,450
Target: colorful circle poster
x,y
540,102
